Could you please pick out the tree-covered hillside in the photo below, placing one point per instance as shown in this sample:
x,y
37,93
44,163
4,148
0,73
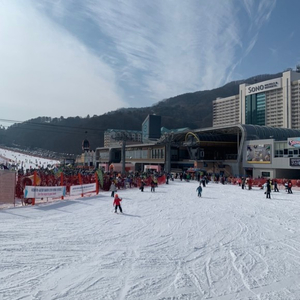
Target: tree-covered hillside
x,y
65,135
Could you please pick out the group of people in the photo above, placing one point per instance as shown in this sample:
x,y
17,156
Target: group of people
x,y
270,184
245,182
117,199
268,187
288,187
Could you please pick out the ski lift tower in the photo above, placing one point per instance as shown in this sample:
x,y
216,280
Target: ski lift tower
x,y
123,137
192,142
168,139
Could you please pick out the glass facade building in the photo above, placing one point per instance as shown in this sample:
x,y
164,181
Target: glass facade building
x,y
274,102
255,106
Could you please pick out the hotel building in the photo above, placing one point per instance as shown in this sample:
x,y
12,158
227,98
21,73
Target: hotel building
x,y
274,103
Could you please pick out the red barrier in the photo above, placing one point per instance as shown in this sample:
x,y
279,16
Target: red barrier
x,y
62,179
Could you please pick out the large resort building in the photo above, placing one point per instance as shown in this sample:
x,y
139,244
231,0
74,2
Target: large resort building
x,y
274,103
255,133
226,111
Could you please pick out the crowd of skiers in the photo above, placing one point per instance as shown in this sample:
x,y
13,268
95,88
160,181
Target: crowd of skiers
x,y
272,185
269,186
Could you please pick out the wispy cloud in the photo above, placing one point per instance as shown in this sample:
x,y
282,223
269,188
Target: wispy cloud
x,y
251,22
179,46
175,47
100,52
46,71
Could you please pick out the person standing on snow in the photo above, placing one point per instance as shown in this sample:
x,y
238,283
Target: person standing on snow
x,y
117,203
290,187
275,186
268,191
142,185
153,185
199,190
113,188
243,182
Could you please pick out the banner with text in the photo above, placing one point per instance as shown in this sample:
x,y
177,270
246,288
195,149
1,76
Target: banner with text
x,y
44,191
82,189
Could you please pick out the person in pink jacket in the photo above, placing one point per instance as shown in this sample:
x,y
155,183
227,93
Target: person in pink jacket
x,y
117,203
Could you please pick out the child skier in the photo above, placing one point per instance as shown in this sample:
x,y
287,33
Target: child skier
x,y
199,190
117,203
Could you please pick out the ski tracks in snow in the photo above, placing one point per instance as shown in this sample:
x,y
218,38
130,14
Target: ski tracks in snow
x,y
169,245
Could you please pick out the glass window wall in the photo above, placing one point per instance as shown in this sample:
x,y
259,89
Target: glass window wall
x,y
255,107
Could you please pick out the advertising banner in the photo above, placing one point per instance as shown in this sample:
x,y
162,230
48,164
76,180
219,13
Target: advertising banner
x,y
259,154
44,191
294,162
294,142
83,188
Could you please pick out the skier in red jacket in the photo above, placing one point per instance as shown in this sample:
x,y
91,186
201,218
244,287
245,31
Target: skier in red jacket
x,y
117,203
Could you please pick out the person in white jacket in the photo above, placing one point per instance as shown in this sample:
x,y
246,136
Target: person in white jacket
x,y
113,189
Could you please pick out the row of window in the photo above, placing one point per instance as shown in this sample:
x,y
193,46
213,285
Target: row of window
x,y
281,150
144,154
287,153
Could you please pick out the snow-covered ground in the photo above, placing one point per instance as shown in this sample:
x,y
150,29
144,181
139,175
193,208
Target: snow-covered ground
x,y
24,160
229,244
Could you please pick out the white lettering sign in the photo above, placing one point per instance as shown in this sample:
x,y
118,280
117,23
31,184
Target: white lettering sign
x,y
264,86
83,188
44,191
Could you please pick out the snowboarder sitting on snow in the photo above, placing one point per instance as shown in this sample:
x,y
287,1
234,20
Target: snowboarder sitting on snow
x,y
199,190
117,203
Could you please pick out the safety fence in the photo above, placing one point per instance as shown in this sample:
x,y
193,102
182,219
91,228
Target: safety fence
x,y
71,182
259,182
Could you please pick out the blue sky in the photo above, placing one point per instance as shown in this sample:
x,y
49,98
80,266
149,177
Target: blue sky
x,y
78,57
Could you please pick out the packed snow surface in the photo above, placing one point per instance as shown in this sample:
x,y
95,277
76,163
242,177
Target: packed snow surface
x,y
170,244
25,161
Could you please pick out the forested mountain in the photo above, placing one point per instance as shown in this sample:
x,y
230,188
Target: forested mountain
x,y
65,135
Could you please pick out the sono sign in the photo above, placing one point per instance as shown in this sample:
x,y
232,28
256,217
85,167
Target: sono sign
x,y
263,86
